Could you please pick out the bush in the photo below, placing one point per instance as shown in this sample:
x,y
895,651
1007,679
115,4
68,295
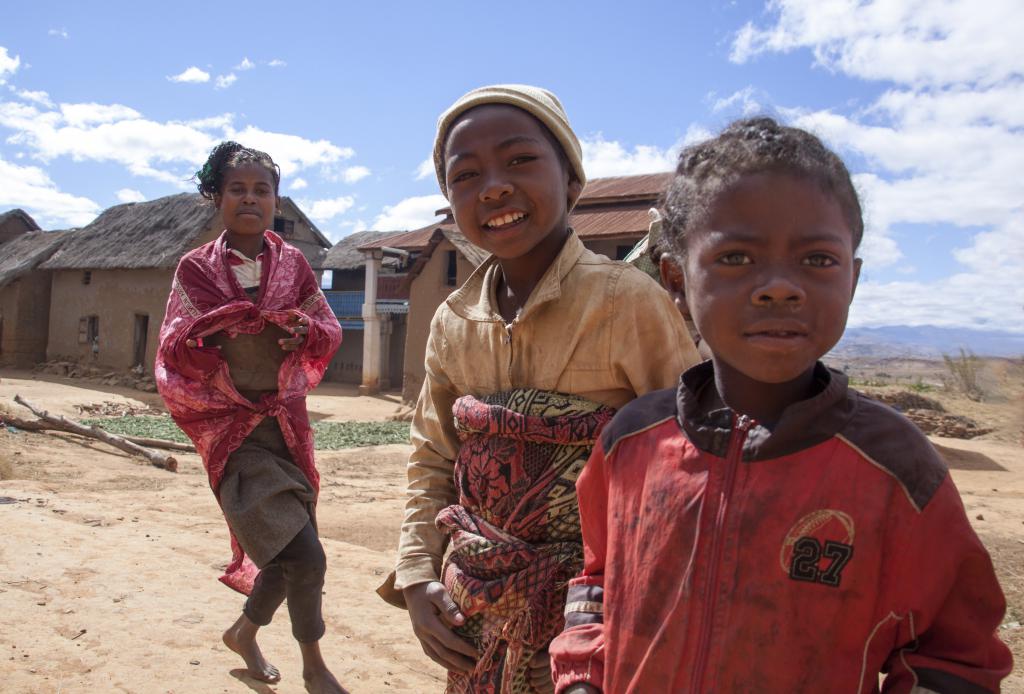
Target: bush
x,y
963,371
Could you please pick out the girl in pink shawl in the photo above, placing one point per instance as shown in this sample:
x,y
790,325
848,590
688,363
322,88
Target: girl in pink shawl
x,y
247,333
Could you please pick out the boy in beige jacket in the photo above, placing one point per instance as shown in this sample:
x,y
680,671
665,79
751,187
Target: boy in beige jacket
x,y
543,320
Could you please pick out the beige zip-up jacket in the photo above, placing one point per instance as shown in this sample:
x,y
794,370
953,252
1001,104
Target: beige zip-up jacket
x,y
593,327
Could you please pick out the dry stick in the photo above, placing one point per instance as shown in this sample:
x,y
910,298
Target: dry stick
x,y
39,425
158,459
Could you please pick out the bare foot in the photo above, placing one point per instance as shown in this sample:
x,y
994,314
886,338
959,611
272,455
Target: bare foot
x,y
322,682
241,638
315,674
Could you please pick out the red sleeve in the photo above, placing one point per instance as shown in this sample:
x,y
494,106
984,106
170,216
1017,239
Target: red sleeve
x,y
324,334
577,654
948,642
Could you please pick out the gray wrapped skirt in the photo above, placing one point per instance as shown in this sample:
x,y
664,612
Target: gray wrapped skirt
x,y
265,497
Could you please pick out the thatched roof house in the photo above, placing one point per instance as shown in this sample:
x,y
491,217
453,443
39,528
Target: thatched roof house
x,y
154,234
26,251
14,223
25,296
345,255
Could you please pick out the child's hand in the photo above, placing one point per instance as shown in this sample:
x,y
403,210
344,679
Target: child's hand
x,y
192,344
540,673
298,327
433,614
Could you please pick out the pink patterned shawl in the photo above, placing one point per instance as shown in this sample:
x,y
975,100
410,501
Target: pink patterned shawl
x,y
195,383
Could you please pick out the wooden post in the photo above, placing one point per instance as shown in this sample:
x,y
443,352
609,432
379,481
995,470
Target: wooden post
x,y
371,326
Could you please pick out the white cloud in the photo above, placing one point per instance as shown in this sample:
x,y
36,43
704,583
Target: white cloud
x,y
918,42
609,158
744,101
355,173
167,151
298,184
277,63
8,65
942,146
694,133
425,169
192,75
225,81
213,122
130,195
31,188
246,64
291,152
80,115
62,32
37,97
410,213
325,210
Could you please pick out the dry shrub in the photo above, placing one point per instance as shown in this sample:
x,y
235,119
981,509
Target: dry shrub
x,y
964,370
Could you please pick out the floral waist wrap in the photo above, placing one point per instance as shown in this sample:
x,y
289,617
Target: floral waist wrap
x,y
515,533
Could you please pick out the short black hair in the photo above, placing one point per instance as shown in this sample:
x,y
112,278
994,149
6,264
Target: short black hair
x,y
228,155
745,147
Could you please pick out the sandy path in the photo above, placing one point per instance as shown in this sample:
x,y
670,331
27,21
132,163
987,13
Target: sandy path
x,y
94,540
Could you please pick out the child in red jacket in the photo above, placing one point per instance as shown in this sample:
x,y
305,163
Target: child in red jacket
x,y
763,527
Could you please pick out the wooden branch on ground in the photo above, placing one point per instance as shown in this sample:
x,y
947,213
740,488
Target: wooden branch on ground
x,y
40,425
160,460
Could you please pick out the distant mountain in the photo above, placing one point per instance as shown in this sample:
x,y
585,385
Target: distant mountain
x,y
927,341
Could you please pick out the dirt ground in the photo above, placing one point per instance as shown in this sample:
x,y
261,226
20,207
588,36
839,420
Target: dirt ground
x,y
108,566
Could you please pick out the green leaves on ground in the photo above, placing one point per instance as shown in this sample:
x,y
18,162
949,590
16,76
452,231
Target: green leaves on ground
x,y
329,436
149,426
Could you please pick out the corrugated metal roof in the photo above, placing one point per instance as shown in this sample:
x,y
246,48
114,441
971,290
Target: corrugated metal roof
x,y
652,185
609,222
415,240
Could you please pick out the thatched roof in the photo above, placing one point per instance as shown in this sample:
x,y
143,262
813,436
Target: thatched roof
x,y
151,234
324,241
23,253
345,255
18,213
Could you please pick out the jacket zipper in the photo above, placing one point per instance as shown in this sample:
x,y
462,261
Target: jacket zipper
x,y
508,341
741,425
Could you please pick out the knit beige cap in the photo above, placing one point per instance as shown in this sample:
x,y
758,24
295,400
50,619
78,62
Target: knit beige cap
x,y
539,103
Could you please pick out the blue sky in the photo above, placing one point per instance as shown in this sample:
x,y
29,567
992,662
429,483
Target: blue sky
x,y
925,100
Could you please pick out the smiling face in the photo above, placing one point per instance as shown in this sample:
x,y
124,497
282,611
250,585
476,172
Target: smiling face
x,y
769,277
247,200
508,185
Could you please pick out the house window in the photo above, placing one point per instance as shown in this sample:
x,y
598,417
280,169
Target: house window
x,y
88,329
451,276
285,228
87,277
622,251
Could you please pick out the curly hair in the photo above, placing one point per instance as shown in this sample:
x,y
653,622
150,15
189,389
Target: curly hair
x,y
228,155
751,146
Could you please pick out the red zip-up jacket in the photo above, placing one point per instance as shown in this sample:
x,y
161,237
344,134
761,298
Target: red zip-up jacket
x,y
724,557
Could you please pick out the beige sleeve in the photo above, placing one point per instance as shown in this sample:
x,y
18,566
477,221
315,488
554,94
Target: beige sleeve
x,y
650,343
431,467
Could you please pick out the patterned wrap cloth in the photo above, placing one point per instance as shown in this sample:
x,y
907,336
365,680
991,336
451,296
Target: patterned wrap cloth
x,y
515,533
195,382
